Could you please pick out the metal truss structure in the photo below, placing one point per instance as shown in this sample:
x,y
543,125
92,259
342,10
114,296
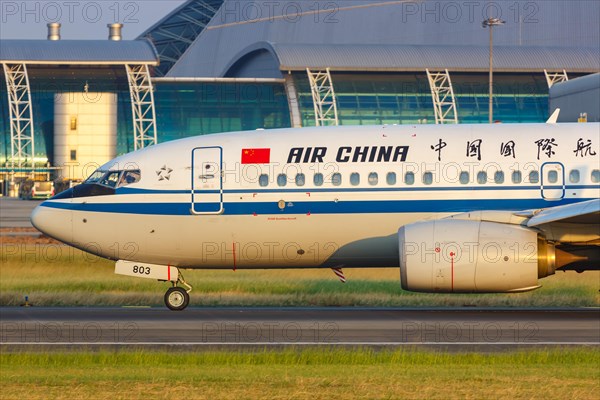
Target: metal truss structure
x,y
22,142
324,100
442,93
142,106
552,78
176,32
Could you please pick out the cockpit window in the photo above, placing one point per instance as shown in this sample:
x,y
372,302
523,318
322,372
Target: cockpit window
x,y
102,183
95,177
130,177
111,179
114,179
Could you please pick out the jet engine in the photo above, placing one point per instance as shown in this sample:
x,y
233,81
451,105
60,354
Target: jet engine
x,y
473,257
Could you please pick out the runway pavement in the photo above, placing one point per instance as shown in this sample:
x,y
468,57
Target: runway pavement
x,y
14,213
455,329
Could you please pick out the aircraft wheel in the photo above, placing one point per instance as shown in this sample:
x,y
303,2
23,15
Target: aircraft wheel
x,y
177,299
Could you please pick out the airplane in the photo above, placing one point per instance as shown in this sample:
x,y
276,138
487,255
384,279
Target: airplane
x,y
457,208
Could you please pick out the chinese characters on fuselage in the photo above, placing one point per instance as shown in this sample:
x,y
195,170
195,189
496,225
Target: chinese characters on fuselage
x,y
546,148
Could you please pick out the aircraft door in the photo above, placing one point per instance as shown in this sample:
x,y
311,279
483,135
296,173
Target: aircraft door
x,y
207,181
553,181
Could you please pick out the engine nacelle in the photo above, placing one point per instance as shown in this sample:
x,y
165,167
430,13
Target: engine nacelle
x,y
467,256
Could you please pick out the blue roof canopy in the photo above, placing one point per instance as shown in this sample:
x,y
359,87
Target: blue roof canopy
x,y
101,52
454,58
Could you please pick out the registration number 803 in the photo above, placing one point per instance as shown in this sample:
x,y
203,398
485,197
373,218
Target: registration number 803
x,y
139,269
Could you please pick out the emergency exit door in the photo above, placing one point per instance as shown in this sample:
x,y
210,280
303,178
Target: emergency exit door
x,y
207,181
553,181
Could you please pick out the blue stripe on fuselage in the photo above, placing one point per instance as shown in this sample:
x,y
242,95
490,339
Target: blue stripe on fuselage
x,y
126,191
321,207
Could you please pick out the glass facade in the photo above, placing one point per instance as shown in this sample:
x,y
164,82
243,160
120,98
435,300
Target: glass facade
x,y
190,109
405,98
186,109
518,98
370,99
182,109
44,83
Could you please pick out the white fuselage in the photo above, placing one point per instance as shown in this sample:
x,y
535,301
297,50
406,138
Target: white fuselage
x,y
255,199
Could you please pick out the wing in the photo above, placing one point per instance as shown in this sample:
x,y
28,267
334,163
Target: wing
x,y
587,212
572,223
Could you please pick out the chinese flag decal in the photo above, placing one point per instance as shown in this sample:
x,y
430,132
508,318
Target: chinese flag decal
x,y
256,156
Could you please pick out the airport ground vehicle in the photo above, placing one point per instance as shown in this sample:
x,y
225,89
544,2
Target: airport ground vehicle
x,y
30,190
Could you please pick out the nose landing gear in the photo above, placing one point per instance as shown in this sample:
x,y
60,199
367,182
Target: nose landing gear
x,y
178,298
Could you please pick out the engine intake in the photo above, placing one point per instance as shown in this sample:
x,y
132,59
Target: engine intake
x,y
469,256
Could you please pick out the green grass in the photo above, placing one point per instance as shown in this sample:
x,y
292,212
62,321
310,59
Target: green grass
x,y
302,374
54,275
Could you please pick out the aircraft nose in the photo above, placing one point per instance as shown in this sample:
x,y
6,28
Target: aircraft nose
x,y
54,222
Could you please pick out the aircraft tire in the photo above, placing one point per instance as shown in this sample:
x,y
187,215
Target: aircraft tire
x,y
177,299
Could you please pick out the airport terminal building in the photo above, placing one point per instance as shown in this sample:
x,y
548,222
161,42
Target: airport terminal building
x,y
226,65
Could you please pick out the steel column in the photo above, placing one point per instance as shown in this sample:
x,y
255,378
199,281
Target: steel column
x,y
442,93
142,106
22,142
324,100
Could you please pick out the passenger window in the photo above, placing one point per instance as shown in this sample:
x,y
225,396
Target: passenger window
x,y
552,176
129,178
482,177
409,178
517,177
373,179
428,178
596,176
282,180
300,180
318,180
499,177
391,178
336,179
355,179
574,176
263,180
464,178
534,177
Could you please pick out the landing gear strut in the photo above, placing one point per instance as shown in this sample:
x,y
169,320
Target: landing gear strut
x,y
178,298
